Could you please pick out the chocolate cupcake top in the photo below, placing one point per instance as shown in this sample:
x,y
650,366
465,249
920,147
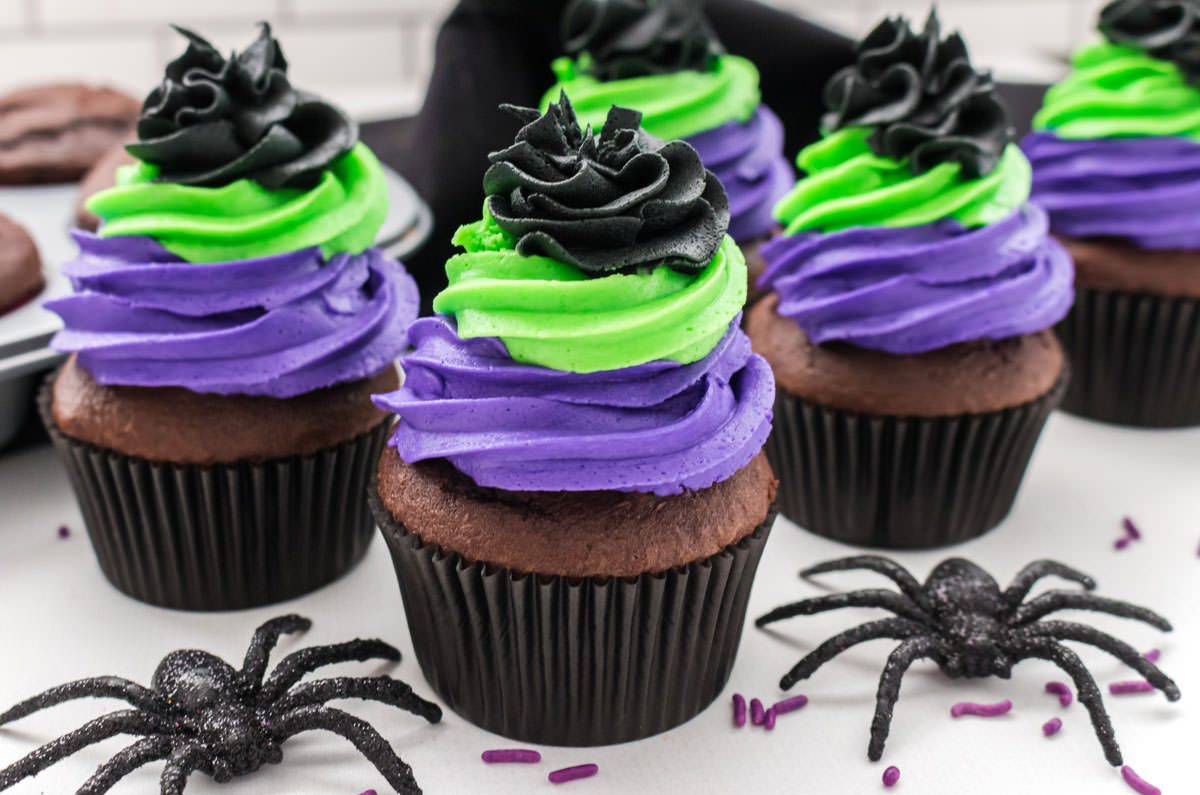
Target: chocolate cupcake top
x,y
575,349
1116,152
910,229
662,58
235,256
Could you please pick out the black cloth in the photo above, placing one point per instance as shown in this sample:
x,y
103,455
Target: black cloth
x,y
494,51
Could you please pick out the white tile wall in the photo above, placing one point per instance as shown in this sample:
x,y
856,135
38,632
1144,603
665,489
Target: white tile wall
x,y
374,56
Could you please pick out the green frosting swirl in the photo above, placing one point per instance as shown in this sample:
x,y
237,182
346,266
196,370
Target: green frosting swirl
x,y
1120,91
551,314
849,185
243,220
673,105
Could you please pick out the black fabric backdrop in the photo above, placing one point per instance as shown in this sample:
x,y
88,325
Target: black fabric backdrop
x,y
494,51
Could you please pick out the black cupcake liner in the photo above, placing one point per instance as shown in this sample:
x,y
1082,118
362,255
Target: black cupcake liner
x,y
902,482
226,536
1135,358
555,660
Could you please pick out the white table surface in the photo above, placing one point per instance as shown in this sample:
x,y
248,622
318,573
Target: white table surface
x,y
62,621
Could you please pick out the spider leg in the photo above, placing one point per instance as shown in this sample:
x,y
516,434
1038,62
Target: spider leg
x,y
1068,630
294,666
1026,577
377,688
124,722
895,628
179,767
888,568
124,762
888,600
264,640
97,687
1052,601
1085,688
368,741
898,662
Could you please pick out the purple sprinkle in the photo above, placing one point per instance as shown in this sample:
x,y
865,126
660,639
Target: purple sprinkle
x,y
500,755
1125,688
982,710
891,776
1121,543
1131,530
1153,655
769,719
739,710
572,773
1051,726
789,704
64,531
757,715
1138,783
369,792
1062,691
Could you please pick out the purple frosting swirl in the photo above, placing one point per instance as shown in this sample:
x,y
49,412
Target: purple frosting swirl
x,y
913,289
1144,190
747,158
280,325
660,426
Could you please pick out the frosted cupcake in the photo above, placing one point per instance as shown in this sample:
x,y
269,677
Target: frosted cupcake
x,y
1116,163
914,291
663,59
229,322
575,485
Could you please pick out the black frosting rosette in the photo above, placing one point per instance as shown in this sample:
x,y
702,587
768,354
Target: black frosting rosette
x,y
1166,29
924,99
615,202
634,38
215,120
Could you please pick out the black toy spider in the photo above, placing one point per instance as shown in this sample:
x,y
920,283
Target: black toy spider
x,y
202,714
962,621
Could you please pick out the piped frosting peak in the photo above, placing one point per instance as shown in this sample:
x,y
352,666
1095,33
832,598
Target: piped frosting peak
x,y
214,120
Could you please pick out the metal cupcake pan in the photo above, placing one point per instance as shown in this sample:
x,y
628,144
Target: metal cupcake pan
x,y
48,212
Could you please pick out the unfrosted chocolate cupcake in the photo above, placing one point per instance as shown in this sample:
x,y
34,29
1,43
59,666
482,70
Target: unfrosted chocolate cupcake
x,y
576,483
914,289
664,60
1116,164
20,266
54,133
230,320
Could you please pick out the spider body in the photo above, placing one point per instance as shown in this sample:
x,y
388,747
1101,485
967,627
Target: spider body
x,y
963,621
202,714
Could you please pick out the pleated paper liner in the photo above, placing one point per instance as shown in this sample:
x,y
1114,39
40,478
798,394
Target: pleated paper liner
x,y
902,482
226,536
1135,358
554,660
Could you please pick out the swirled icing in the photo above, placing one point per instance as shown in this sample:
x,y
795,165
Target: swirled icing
x,y
917,288
922,99
214,120
278,325
660,426
618,201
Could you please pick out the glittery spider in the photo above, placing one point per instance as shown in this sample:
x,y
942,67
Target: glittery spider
x,y
964,622
200,713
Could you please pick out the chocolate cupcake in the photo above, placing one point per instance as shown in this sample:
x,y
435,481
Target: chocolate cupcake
x,y
54,133
20,266
1116,164
663,59
230,320
575,496
913,289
